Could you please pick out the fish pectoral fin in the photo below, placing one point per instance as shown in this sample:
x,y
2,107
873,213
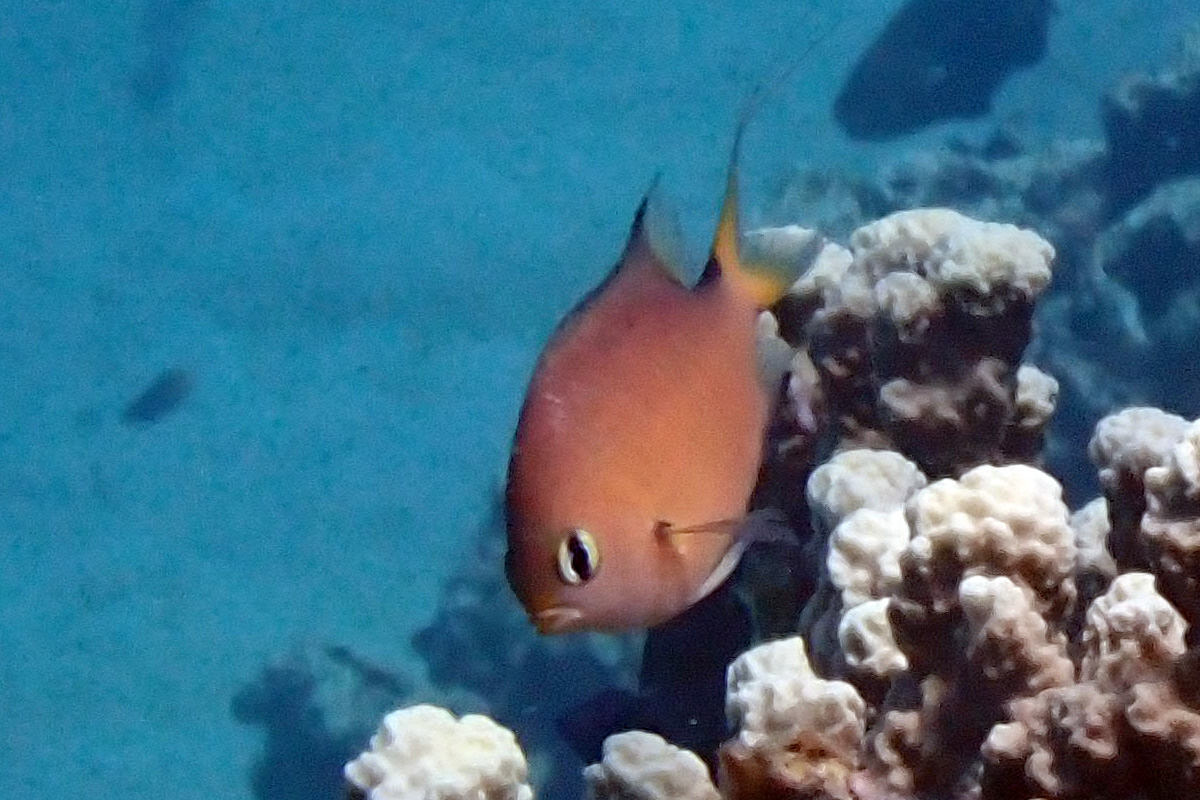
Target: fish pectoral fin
x,y
761,525
720,526
764,525
767,526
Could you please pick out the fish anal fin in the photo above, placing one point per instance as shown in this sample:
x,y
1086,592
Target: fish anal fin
x,y
720,573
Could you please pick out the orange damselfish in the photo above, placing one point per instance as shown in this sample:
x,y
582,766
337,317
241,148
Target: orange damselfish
x,y
640,438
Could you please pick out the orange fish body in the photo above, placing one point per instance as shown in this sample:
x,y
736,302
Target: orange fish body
x,y
639,442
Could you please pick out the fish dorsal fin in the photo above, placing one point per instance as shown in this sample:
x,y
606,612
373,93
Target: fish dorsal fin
x,y
655,238
762,283
724,256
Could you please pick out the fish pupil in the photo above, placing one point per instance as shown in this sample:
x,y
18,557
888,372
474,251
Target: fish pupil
x,y
581,559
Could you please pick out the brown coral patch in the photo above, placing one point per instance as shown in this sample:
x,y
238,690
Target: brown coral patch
x,y
809,768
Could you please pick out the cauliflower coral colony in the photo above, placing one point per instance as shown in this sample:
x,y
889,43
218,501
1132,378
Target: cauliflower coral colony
x,y
966,635
969,636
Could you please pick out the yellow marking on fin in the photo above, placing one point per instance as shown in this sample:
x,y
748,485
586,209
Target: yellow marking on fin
x,y
764,284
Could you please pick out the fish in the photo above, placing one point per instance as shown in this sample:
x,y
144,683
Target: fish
x,y
165,394
938,60
641,435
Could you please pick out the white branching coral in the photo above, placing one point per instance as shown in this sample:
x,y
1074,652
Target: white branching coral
x,y
993,521
918,339
1126,444
1063,742
1171,525
774,697
637,765
424,753
1091,526
857,500
1131,634
867,641
1123,447
1015,652
861,478
864,554
951,250
798,735
1037,397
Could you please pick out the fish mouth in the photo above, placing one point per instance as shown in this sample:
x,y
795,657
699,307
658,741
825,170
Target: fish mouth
x,y
557,619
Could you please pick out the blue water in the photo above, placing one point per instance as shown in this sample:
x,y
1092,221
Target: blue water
x,y
352,224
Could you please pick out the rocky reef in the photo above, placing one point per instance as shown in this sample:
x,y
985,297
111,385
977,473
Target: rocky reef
x,y
968,636
1121,213
958,625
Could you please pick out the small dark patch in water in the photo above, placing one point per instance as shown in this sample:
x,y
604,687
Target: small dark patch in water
x,y
167,30
163,396
938,60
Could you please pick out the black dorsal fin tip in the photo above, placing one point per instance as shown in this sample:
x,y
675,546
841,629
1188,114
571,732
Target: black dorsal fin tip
x,y
656,230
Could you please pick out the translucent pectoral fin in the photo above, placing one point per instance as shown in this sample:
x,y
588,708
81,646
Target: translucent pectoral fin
x,y
761,525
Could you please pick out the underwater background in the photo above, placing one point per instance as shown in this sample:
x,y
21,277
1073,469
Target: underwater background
x,y
272,279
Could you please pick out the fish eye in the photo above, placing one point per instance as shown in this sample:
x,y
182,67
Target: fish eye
x,y
578,557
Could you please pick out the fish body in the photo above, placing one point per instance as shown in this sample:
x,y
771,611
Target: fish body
x,y
639,442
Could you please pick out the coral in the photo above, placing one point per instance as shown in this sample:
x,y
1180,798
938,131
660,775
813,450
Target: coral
x,y
1171,524
956,253
855,499
867,642
1166,732
1063,742
995,521
817,286
1037,397
1123,446
1092,529
798,735
1132,634
424,753
918,339
856,479
1084,741
642,766
1095,567
1011,652
864,554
